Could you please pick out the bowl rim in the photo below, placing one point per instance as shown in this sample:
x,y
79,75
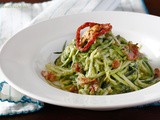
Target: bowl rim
x,y
90,96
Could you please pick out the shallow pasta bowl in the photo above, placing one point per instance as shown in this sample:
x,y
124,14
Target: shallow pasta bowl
x,y
23,57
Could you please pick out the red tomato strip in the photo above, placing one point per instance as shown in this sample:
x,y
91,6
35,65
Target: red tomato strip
x,y
157,72
48,76
133,52
76,67
115,64
105,29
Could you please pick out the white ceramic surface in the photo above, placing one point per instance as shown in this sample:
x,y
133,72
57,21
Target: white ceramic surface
x,y
24,55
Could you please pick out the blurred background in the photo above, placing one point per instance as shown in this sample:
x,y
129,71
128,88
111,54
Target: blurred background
x,y
27,1
153,6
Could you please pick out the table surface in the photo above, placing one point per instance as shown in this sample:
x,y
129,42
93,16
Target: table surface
x,y
57,112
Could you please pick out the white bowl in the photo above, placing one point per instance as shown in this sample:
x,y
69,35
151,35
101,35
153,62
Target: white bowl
x,y
24,55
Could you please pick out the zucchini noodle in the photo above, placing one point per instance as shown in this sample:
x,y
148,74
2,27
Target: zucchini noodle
x,y
104,69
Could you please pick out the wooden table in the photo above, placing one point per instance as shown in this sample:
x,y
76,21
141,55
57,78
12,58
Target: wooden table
x,y
52,112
